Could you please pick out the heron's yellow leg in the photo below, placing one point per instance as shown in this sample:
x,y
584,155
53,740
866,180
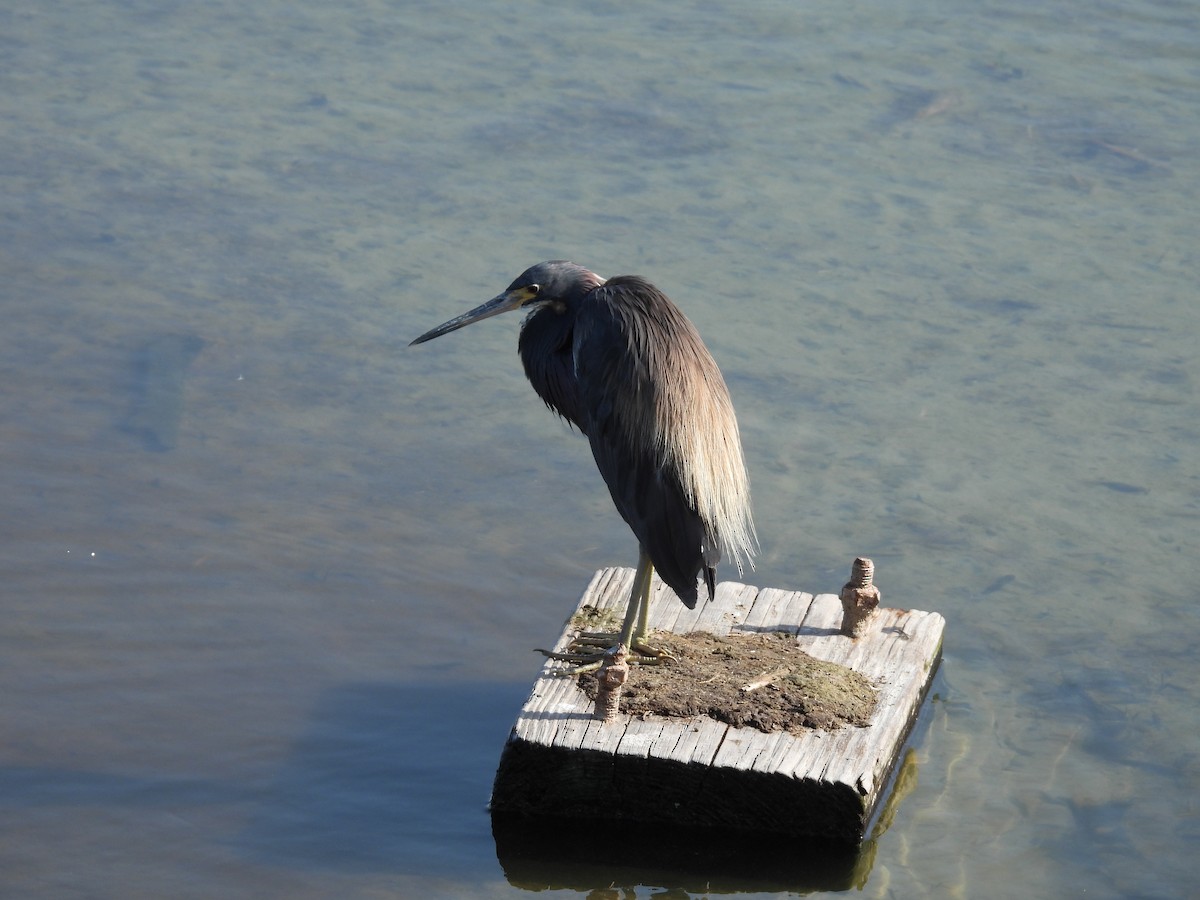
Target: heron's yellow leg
x,y
643,622
639,601
637,617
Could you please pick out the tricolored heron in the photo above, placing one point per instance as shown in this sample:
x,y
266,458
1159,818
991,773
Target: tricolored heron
x,y
619,361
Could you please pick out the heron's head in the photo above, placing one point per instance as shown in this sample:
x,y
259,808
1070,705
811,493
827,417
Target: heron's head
x,y
557,282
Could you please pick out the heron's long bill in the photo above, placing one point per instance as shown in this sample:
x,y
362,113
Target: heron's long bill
x,y
503,303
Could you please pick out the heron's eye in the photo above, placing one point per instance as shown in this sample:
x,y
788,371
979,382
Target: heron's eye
x,y
533,289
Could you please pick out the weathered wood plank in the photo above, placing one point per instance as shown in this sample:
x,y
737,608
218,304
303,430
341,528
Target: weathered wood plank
x,y
698,772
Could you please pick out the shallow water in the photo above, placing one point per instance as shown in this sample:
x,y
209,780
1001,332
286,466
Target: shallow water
x,y
272,578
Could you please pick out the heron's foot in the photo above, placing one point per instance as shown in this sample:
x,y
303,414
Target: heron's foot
x,y
588,650
643,653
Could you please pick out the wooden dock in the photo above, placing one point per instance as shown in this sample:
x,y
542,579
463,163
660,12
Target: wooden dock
x,y
561,763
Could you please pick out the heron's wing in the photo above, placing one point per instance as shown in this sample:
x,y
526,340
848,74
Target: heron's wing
x,y
545,347
622,334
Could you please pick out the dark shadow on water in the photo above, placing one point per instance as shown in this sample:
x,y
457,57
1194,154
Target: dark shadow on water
x,y
548,855
389,778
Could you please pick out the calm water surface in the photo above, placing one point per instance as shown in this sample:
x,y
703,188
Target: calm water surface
x,y
272,579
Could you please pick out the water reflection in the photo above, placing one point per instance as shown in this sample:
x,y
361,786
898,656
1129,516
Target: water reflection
x,y
592,855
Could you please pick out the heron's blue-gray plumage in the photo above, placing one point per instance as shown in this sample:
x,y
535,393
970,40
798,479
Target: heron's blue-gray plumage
x,y
620,361
617,328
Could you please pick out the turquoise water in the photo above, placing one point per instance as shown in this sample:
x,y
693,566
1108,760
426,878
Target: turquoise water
x,y
272,578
